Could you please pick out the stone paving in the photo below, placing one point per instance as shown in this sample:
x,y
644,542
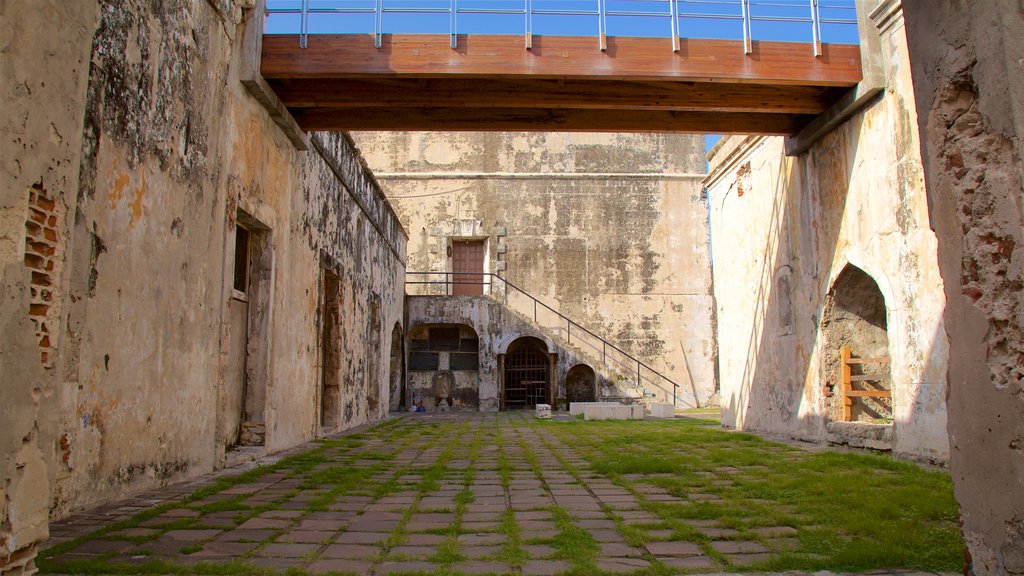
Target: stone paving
x,y
476,494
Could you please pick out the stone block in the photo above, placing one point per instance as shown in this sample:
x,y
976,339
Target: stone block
x,y
636,411
616,412
543,411
661,410
576,408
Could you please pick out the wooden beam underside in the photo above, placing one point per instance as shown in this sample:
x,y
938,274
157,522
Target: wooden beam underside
x,y
545,120
417,82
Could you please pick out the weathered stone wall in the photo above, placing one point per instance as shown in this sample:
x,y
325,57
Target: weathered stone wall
x,y
497,326
968,63
785,228
130,150
611,230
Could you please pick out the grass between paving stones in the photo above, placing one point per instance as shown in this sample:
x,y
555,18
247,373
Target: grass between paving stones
x,y
851,511
337,476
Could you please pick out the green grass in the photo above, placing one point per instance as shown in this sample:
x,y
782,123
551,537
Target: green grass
x,y
852,512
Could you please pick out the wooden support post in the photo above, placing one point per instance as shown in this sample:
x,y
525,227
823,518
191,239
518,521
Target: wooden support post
x,y
844,357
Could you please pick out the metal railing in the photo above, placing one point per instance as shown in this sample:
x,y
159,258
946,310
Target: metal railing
x,y
611,354
812,13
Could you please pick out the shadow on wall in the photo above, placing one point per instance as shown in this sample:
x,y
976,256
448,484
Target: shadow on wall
x,y
782,389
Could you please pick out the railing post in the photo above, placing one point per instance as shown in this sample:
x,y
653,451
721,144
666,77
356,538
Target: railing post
x,y
604,351
454,10
529,24
747,44
675,388
534,310
378,23
674,14
304,25
638,377
568,329
816,27
602,26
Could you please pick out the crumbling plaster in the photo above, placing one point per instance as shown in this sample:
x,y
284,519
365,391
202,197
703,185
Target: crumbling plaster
x,y
855,197
137,123
609,229
968,63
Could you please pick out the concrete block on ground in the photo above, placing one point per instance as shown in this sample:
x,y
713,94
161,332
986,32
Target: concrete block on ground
x,y
616,412
576,408
636,411
663,410
543,411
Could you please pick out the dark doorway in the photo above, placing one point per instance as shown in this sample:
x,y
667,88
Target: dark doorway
x,y
468,267
396,378
373,358
581,384
330,343
527,374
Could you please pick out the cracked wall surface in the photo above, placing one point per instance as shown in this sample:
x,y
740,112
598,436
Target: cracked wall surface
x,y
609,229
968,63
130,150
784,228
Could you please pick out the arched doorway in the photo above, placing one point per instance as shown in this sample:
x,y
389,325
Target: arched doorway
x,y
527,374
581,384
854,318
396,374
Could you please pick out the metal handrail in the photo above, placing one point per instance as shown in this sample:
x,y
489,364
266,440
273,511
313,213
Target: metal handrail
x,y
674,13
570,323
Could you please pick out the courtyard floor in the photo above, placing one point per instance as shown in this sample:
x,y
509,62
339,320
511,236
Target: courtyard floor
x,y
508,494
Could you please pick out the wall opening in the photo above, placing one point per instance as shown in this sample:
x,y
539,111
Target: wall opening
x,y
581,384
527,374
330,350
444,368
396,379
854,318
373,359
248,316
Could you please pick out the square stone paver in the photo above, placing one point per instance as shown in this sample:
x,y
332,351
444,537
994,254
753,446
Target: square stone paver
x,y
306,536
480,567
277,550
545,567
351,551
673,548
729,547
399,567
360,567
362,537
622,565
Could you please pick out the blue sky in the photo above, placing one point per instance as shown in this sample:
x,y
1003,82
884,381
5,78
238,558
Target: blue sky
x,y
778,20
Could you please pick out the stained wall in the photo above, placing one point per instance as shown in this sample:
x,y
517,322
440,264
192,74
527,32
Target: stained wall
x,y
968,68
130,151
784,228
609,229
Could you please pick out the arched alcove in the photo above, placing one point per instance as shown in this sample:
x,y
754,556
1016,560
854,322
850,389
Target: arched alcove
x,y
581,384
855,318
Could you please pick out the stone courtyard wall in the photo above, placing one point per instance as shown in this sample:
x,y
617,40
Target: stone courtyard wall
x,y
968,61
129,148
785,228
609,229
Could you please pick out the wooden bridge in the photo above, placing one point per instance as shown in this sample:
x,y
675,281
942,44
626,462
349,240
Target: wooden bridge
x,y
563,83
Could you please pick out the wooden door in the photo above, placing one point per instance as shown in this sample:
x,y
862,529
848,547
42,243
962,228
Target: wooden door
x,y
468,267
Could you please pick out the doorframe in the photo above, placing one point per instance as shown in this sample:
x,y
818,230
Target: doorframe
x,y
450,259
